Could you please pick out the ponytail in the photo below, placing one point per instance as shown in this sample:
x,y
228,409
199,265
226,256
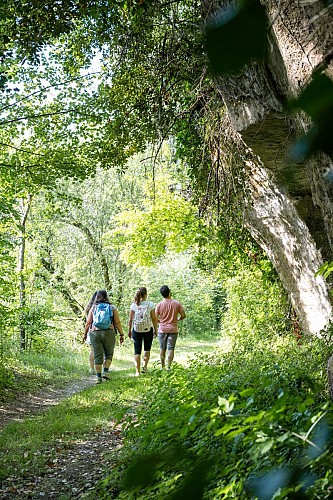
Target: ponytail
x,y
140,294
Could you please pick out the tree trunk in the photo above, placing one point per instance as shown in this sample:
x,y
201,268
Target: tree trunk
x,y
25,207
97,248
274,223
290,210
62,287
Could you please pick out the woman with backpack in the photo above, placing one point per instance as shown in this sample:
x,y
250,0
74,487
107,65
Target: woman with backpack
x,y
102,322
142,317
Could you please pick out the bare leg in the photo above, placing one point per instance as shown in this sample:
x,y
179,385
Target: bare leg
x,y
137,362
171,354
107,363
91,360
162,356
106,366
146,356
98,369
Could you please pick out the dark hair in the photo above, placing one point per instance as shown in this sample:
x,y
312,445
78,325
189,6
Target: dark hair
x,y
165,291
140,294
101,297
90,303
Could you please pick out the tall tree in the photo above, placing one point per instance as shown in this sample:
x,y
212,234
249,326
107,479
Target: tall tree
x,y
156,82
24,208
290,213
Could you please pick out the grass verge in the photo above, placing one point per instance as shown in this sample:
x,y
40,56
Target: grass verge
x,y
22,443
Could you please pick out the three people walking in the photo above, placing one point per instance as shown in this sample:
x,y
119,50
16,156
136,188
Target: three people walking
x,y
103,322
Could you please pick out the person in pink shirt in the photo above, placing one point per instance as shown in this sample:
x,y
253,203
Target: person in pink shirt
x,y
168,313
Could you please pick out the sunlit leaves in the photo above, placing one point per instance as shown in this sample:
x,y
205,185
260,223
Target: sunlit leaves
x,y
325,269
265,450
236,36
28,24
169,224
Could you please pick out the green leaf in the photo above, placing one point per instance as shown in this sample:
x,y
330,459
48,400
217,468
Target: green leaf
x,y
322,269
247,392
301,408
283,438
267,446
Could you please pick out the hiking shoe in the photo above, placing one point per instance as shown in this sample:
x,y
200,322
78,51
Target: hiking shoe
x,y
92,371
98,380
106,376
144,369
137,374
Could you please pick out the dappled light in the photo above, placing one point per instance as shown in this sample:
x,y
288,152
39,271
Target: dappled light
x,y
166,237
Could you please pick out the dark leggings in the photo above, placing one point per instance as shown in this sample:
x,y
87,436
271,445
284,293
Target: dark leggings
x,y
145,337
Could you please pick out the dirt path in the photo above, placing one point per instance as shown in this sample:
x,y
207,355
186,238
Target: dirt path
x,y
71,471
28,404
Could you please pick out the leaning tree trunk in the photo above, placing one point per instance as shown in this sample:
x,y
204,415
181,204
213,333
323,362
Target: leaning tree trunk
x,y
296,201
274,223
98,251
290,210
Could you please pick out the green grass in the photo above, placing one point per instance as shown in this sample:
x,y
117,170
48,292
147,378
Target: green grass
x,y
75,417
31,372
22,443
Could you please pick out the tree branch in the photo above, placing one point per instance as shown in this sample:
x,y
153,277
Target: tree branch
x,y
44,89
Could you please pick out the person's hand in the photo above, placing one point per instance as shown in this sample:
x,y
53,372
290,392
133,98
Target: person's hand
x,y
121,338
155,335
84,338
129,334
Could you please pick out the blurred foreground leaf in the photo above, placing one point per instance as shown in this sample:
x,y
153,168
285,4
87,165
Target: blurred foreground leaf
x,y
236,36
316,101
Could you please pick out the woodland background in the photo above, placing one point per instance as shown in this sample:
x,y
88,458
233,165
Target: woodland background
x,y
184,143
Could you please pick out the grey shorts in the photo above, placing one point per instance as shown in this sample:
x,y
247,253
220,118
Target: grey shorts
x,y
167,341
103,342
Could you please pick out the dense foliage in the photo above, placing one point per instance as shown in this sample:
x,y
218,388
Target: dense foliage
x,y
249,423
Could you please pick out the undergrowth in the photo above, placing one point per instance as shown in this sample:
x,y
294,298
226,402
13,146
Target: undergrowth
x,y
26,446
243,424
28,372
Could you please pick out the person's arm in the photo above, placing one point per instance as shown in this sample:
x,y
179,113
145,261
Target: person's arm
x,y
130,321
157,314
87,325
154,320
182,313
118,325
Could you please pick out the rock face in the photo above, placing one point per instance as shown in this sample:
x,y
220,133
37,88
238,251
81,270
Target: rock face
x,y
290,213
